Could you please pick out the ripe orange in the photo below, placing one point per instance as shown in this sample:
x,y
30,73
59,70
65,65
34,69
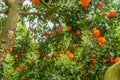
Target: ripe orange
x,y
61,52
55,55
104,14
68,52
97,33
117,59
38,53
56,58
100,3
104,61
23,78
10,50
94,61
102,40
85,1
94,29
68,28
93,56
52,34
22,49
59,30
47,56
36,2
71,56
84,5
78,32
112,13
52,15
16,56
80,59
111,59
20,66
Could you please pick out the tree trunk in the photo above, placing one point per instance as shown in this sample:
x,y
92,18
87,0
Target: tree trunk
x,y
113,72
6,37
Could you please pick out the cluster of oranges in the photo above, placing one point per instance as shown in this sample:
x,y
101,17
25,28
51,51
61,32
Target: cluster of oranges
x,y
111,14
48,34
97,33
100,4
19,67
112,59
69,28
70,54
85,3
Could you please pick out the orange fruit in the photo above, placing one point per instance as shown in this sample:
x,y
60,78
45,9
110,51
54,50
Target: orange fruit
x,y
23,78
100,3
36,2
38,53
102,40
47,55
80,59
10,50
84,5
52,15
55,55
56,58
104,61
68,52
68,28
61,52
111,59
104,14
112,13
78,32
22,49
52,34
94,61
16,56
71,56
20,66
117,59
94,29
59,30
97,33
93,56
85,1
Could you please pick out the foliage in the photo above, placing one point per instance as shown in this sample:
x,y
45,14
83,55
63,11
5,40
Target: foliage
x,y
60,43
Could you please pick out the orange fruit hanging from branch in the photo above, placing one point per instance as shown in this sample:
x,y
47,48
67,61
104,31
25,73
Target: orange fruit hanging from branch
x,y
100,3
36,2
10,50
112,13
85,3
102,40
68,28
78,32
97,33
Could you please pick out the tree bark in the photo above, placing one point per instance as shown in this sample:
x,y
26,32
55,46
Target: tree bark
x,y
6,37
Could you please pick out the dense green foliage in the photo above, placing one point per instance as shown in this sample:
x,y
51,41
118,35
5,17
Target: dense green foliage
x,y
58,43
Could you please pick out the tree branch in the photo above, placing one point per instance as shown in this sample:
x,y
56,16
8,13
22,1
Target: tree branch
x,y
29,13
3,12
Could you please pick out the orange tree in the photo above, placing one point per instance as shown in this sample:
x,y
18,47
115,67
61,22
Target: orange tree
x,y
64,40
